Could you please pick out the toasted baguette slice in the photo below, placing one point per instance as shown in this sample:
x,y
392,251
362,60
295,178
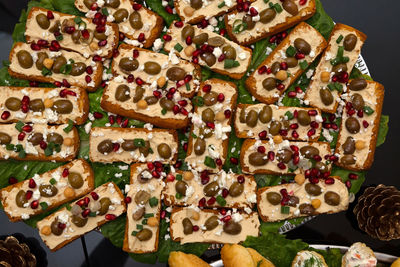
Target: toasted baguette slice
x,y
272,213
235,71
364,141
33,73
247,223
215,140
303,31
241,194
192,72
128,105
48,96
284,150
152,22
23,142
141,180
146,148
279,23
307,258
308,130
313,94
65,218
31,187
180,259
34,32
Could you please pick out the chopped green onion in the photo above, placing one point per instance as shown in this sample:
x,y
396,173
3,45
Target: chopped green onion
x,y
178,195
335,61
105,11
144,221
290,51
69,127
139,142
187,86
57,147
289,115
222,4
340,52
18,148
278,8
22,154
134,233
68,207
59,37
153,202
285,209
10,147
303,65
139,226
19,126
239,26
198,101
209,162
335,86
178,177
92,214
221,201
53,181
193,135
43,205
178,47
339,39
368,110
46,72
148,215
163,111
66,69
230,63
345,59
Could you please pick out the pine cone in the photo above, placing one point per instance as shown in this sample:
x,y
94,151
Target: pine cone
x,y
378,212
12,253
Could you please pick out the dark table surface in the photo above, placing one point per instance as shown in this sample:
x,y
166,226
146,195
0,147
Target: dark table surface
x,y
380,21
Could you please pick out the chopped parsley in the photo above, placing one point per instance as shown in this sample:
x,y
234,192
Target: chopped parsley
x,y
209,162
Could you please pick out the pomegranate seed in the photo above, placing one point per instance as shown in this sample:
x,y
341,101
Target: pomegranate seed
x,y
127,200
55,44
43,145
28,194
66,84
25,108
130,78
25,100
31,183
111,119
176,109
351,112
283,132
225,193
203,24
150,165
211,201
85,34
299,56
139,81
222,32
281,165
12,180
292,94
271,155
333,158
5,115
221,58
189,40
50,14
314,125
155,174
85,213
94,7
206,88
262,69
98,115
353,176
21,136
234,161
169,9
240,179
182,103
222,212
295,134
311,132
302,2
348,184
178,24
170,178
35,47
196,228
218,162
116,147
119,119
35,204
80,202
210,125
205,180
110,217
167,37
202,202
296,159
226,218
70,30
360,113
221,97
261,149
94,195
280,87
365,124
253,12
180,83
42,42
334,126
158,164
195,60
317,158
86,200
136,6
227,113
97,58
298,89
294,126
65,172
314,180
102,43
124,123
163,214
262,134
283,66
329,181
141,37
33,84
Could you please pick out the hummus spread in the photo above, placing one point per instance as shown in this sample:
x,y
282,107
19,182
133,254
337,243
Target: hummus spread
x,y
208,10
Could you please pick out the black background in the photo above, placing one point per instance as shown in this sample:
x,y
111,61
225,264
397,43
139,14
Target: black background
x,y
380,21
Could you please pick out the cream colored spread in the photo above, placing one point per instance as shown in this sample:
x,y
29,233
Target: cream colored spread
x,y
359,255
312,37
149,19
118,135
249,222
8,197
35,32
165,63
307,258
154,111
36,151
33,71
272,166
261,29
225,180
48,115
153,187
365,134
279,113
215,143
312,93
209,9
71,231
272,213
243,55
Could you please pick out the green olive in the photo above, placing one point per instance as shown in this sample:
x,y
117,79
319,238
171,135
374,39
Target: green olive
x,y
252,118
306,208
4,138
293,201
291,7
167,104
332,198
48,190
59,62
309,152
55,138
210,98
20,198
232,228
105,146
127,65
55,27
326,96
36,105
209,58
24,59
302,45
267,15
357,101
164,150
152,68
200,38
135,19
13,104
274,198
139,92
151,100
347,160
229,52
145,150
339,68
352,125
275,67
144,234
181,187
100,35
138,214
144,176
313,189
188,30
248,20
349,146
216,41
322,167
350,42
62,106
358,84
236,189
284,155
208,115
211,189
120,15
205,132
187,226
303,118
199,146
275,127
76,37
67,23
211,223
112,3
78,220
41,57
78,68
265,114
43,21
75,180
142,197
258,159
122,93
55,229
269,83
291,62
105,204
89,3
196,4
128,145
176,74
242,115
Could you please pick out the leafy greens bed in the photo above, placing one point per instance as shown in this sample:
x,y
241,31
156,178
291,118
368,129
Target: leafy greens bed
x,y
272,245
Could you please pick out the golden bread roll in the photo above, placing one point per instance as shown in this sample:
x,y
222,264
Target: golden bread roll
x,y
180,259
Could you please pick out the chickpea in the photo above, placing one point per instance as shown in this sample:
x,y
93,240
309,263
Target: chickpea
x,y
68,141
152,221
188,176
195,215
316,203
360,144
325,76
189,50
220,116
94,46
69,192
278,139
142,104
46,230
161,81
281,75
48,63
300,178
48,103
188,11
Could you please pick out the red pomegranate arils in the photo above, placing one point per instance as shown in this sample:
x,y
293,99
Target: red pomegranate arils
x,y
234,161
5,115
85,213
225,193
12,180
136,6
169,9
271,155
34,204
98,115
329,181
139,81
21,136
365,124
141,37
167,37
226,218
31,183
163,214
28,194
50,15
281,165
110,217
196,228
292,94
202,202
240,179
127,200
206,88
353,176
348,184
211,201
261,149
43,145
227,113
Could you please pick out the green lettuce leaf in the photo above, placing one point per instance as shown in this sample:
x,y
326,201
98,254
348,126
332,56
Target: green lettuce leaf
x,y
156,6
383,130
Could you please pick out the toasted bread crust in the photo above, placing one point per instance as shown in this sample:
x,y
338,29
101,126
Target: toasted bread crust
x,y
304,14
251,83
40,78
379,92
90,181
